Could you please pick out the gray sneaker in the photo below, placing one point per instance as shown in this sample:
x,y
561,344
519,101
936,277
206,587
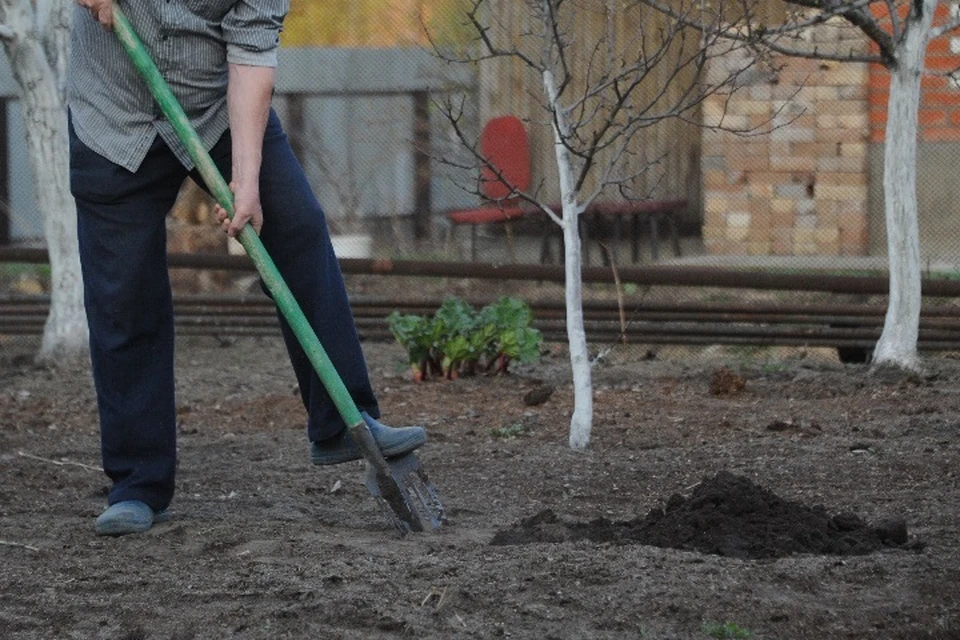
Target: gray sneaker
x,y
129,516
392,442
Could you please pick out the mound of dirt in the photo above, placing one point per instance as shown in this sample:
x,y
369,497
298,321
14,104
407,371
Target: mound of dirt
x,y
726,515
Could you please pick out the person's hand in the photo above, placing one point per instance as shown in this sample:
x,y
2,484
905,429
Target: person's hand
x,y
101,10
246,208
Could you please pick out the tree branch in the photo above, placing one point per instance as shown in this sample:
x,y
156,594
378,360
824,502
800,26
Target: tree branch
x,y
945,28
769,38
9,543
895,27
856,14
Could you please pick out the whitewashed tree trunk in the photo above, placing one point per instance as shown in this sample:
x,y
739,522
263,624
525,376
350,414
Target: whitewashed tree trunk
x,y
898,341
36,42
581,422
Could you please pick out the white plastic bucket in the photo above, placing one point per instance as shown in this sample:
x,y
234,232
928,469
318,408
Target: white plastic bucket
x,y
352,245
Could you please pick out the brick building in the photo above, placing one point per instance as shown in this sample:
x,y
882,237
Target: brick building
x,y
814,184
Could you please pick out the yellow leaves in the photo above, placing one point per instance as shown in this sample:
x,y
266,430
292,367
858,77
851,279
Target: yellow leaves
x,y
370,23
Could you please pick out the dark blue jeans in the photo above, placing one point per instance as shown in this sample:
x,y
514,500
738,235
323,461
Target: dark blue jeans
x,y
129,306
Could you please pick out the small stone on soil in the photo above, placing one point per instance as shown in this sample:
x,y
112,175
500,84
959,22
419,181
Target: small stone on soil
x,y
538,395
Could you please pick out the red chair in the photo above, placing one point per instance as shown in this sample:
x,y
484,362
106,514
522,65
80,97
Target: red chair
x,y
504,144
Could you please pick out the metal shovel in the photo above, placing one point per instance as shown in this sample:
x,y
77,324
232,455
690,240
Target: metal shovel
x,y
400,484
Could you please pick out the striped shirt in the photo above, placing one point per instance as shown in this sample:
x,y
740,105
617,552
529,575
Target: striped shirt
x,y
192,43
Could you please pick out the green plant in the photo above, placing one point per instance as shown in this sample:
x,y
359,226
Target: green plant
x,y
514,338
458,340
725,630
414,333
511,431
13,274
454,324
769,368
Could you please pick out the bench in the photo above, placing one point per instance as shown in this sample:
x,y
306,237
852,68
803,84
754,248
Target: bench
x,y
656,214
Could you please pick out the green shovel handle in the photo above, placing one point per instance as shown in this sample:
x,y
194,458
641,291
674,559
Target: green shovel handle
x,y
274,282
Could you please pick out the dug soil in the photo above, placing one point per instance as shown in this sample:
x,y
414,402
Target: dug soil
x,y
720,497
727,515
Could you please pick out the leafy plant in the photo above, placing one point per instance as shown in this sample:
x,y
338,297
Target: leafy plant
x,y
519,343
414,333
460,341
507,312
515,339
458,352
725,630
455,317
511,431
454,324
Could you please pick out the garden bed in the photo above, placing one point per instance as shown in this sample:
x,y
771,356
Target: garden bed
x,y
264,545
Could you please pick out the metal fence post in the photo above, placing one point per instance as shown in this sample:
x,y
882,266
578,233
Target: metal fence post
x,y
422,218
4,176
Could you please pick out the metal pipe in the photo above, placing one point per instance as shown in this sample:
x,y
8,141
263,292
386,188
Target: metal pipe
x,y
429,305
676,276
226,308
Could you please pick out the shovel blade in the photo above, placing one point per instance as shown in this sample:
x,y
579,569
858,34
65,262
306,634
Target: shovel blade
x,y
405,495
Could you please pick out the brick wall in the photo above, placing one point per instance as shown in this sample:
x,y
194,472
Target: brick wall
x,y
939,117
801,189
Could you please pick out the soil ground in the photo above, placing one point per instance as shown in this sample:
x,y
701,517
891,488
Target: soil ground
x,y
264,545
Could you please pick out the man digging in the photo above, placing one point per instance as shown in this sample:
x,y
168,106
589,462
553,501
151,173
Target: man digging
x,y
126,168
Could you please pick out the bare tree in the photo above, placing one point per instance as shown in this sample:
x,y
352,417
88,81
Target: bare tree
x,y
900,31
601,90
341,178
36,37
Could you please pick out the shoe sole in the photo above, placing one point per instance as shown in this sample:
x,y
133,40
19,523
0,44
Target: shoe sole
x,y
391,452
121,528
